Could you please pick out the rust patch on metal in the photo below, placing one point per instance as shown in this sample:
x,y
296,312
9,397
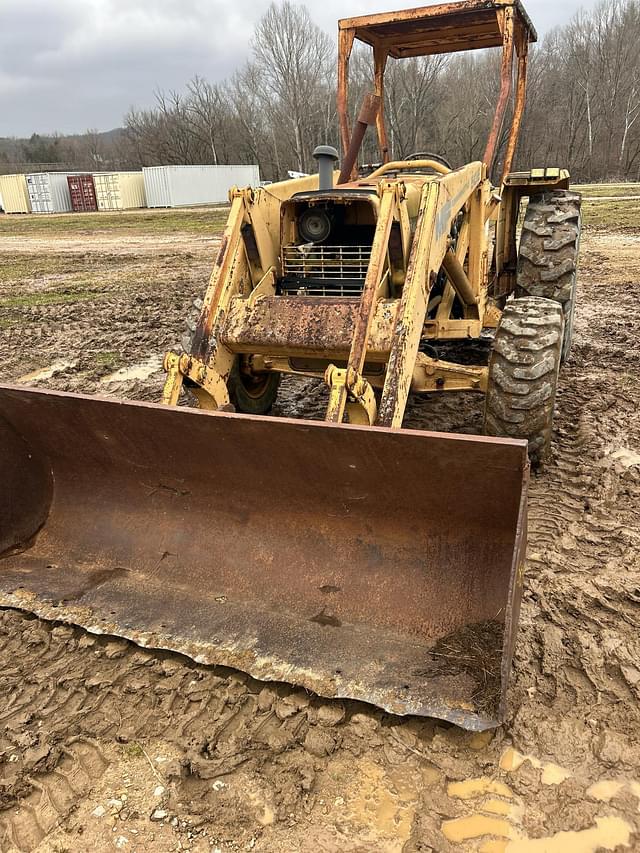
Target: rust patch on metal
x,y
225,578
222,250
305,325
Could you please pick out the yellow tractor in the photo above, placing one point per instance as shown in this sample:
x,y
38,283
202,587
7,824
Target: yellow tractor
x,y
350,556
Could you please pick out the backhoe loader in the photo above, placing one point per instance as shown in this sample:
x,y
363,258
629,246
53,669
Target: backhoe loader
x,y
350,556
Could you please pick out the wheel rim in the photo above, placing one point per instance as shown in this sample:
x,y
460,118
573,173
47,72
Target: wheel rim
x,y
254,385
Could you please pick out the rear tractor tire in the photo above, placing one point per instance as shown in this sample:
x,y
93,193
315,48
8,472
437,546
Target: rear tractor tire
x,y
252,394
523,374
548,253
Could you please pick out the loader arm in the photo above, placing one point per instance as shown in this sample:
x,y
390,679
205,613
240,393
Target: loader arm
x,y
441,202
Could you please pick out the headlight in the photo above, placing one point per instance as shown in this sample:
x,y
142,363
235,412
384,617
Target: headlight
x,y
314,225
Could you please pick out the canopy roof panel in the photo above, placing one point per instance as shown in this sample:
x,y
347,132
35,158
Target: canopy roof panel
x,y
445,28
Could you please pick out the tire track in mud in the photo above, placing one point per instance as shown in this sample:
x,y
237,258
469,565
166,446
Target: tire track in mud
x,y
53,794
72,691
578,650
252,758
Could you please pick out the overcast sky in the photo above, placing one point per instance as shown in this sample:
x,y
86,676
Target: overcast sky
x,y
69,65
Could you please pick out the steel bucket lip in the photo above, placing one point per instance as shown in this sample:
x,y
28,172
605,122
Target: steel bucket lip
x,y
470,720
272,419
182,643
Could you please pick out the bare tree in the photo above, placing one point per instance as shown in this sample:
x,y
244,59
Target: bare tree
x,y
583,106
295,60
208,110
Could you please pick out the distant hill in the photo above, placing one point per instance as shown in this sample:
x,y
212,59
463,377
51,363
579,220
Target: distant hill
x,y
106,135
93,150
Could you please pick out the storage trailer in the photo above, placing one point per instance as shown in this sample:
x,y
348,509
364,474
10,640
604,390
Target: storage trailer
x,y
184,186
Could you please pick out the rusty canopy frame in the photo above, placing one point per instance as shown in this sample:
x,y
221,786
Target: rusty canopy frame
x,y
445,28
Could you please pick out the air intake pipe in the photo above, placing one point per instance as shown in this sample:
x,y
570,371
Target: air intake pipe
x,y
326,156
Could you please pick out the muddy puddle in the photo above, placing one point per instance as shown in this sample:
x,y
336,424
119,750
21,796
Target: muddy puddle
x,y
136,372
47,372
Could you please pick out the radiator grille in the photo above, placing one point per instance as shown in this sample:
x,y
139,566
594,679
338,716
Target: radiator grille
x,y
324,270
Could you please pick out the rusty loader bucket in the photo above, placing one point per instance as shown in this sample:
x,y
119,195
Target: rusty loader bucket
x,y
381,565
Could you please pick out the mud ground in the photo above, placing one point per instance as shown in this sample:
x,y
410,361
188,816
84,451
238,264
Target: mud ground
x,y
105,746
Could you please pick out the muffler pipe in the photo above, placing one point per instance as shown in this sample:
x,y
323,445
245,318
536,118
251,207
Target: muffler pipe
x,y
326,156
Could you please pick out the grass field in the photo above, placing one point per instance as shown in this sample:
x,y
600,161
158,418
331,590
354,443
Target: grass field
x,y
157,222
619,214
607,190
604,206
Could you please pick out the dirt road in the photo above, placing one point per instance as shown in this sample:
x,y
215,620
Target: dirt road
x,y
104,746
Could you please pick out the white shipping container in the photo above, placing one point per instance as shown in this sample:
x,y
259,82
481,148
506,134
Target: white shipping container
x,y
183,186
49,192
119,190
15,196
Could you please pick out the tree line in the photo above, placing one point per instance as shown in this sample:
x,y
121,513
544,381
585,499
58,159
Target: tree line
x,y
583,103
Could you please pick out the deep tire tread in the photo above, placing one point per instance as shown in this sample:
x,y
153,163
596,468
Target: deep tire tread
x,y
523,373
548,253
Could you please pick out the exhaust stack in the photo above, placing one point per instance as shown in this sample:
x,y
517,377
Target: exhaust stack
x,y
326,156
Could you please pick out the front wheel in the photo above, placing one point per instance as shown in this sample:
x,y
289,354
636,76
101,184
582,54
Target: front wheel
x,y
523,373
252,393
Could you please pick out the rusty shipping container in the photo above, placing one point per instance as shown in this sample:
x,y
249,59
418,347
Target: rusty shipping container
x,y
83,192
